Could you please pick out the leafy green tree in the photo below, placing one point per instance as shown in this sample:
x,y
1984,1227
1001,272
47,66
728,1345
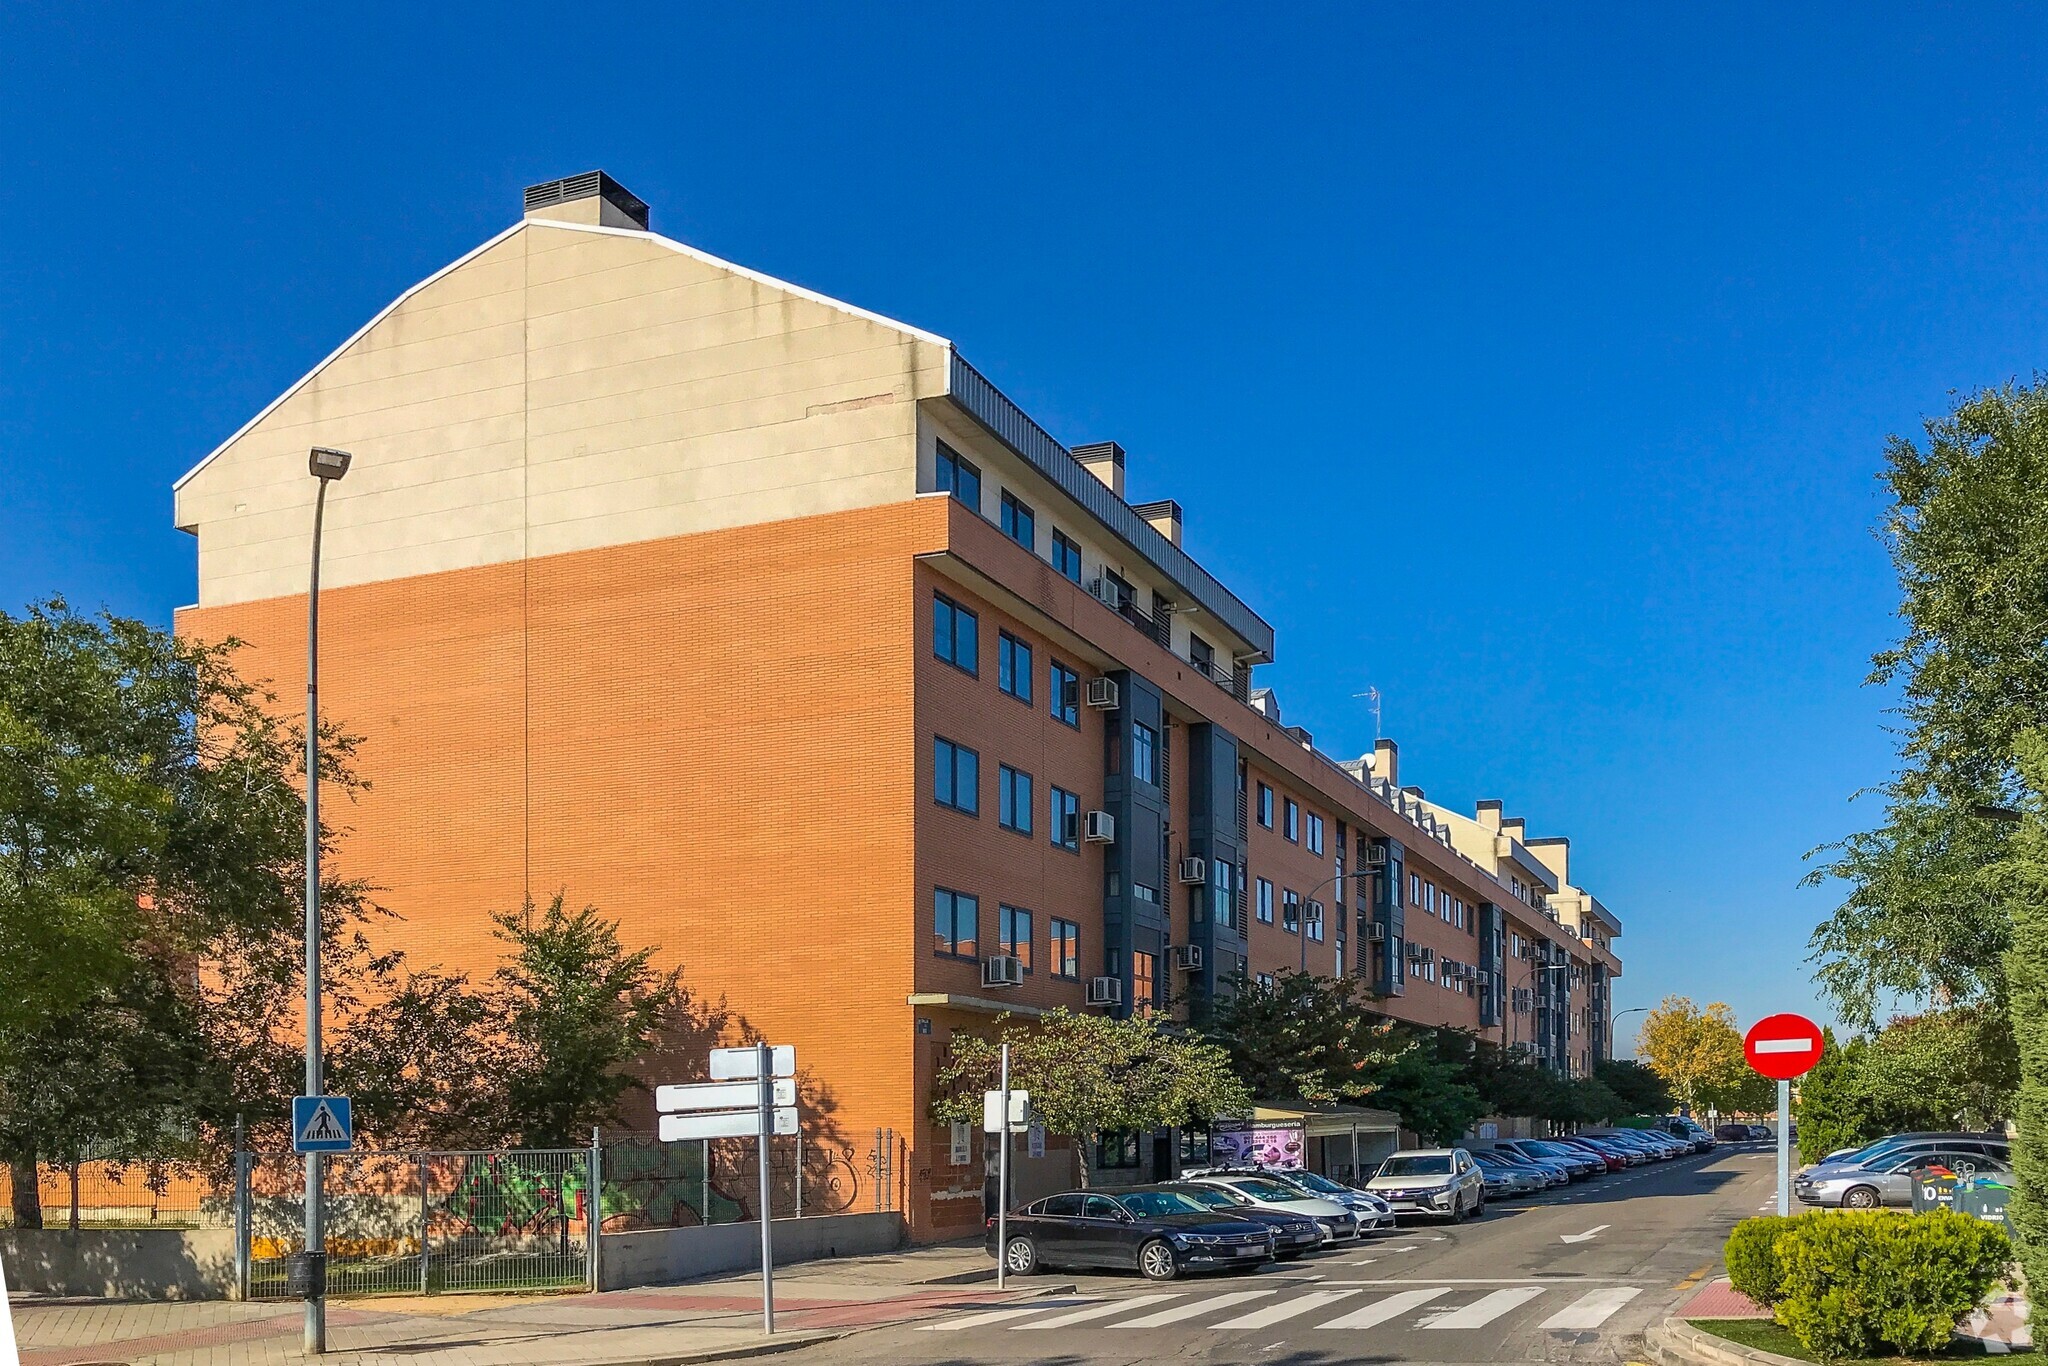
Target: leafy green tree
x,y
1640,1090
1946,1069
1697,1052
2026,968
1092,1074
1425,1083
1305,1038
572,1011
1832,1109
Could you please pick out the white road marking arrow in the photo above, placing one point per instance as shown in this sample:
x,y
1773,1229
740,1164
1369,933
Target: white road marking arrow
x,y
1582,1237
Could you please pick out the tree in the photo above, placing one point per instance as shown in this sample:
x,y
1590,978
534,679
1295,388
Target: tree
x,y
1945,1069
1091,1074
1697,1052
1833,1110
1639,1088
2026,969
1425,1082
573,1010
1305,1038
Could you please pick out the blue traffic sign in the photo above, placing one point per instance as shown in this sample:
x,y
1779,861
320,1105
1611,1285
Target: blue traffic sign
x,y
322,1124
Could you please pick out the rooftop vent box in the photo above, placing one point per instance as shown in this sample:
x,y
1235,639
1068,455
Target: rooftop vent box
x,y
592,198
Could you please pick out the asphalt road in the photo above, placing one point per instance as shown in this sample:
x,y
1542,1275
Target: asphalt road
x,y
1506,1287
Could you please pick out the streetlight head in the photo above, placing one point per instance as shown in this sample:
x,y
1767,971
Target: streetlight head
x,y
328,463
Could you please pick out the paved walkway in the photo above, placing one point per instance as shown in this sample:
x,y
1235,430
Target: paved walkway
x,y
703,1321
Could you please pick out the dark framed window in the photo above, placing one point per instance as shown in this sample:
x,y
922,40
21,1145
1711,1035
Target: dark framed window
x,y
1315,929
1144,753
1265,806
1065,810
1293,826
1065,948
1194,1147
1265,901
956,918
1290,912
1013,933
959,476
956,634
1315,834
1115,1152
1020,523
1066,555
1013,666
1144,981
1013,799
956,776
1202,655
1066,694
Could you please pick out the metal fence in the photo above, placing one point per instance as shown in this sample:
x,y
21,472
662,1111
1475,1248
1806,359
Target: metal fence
x,y
115,1192
651,1184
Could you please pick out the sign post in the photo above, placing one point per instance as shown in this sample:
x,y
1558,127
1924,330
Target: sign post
x,y
752,1094
1003,1180
1782,1047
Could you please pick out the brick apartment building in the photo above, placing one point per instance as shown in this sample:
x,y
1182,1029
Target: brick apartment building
x,y
772,628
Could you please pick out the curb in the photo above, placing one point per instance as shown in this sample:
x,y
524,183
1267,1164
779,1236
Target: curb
x,y
1675,1342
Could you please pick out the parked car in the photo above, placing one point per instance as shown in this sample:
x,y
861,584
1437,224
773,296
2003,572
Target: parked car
x,y
1579,1163
1506,1180
1442,1183
1551,1173
1889,1179
1634,1155
1338,1223
1735,1133
1609,1159
1159,1233
1761,1131
1992,1145
1686,1130
1660,1146
1293,1234
1372,1211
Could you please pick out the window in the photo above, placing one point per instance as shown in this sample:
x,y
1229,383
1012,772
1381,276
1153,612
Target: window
x,y
1265,902
1013,666
1292,826
1265,806
1066,948
959,477
1066,695
1315,931
1143,892
1144,753
1065,810
956,776
1315,834
1415,889
1126,596
956,634
1013,799
1066,555
954,923
1340,959
1144,981
1265,981
1290,913
1113,1151
1013,933
1202,655
1019,523
1194,1147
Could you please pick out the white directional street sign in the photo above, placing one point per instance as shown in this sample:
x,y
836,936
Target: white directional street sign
x,y
722,1095
724,1124
744,1064
992,1109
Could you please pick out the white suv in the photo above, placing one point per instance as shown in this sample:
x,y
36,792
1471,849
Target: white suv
x,y
1443,1183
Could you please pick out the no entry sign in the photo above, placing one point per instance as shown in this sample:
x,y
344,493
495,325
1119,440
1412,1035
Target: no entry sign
x,y
1782,1046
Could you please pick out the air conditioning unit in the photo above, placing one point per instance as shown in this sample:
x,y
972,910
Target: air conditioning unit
x,y
1376,931
1105,991
1312,913
1102,694
1188,957
1414,953
1194,870
1375,855
1002,970
1105,592
1099,827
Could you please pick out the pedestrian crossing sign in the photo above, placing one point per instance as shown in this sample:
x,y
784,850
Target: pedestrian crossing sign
x,y
322,1124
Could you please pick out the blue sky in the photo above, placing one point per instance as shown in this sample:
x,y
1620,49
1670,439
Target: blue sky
x,y
1530,366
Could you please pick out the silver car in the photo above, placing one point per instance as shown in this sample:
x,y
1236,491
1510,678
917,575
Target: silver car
x,y
1442,1183
1338,1223
1888,1180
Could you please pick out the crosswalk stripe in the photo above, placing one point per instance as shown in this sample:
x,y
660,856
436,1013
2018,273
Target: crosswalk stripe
x,y
1591,1309
1286,1309
1096,1311
978,1320
1393,1306
1485,1309
1188,1311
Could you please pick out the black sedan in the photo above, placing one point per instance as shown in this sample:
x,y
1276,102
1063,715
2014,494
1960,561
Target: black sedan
x,y
1160,1233
1293,1234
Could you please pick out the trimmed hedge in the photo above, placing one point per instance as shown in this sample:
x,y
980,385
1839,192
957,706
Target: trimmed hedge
x,y
1849,1284
1752,1258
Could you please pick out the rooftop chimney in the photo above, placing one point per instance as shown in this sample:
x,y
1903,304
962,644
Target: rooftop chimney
x,y
1514,828
1105,460
1488,815
593,199
1386,761
1164,516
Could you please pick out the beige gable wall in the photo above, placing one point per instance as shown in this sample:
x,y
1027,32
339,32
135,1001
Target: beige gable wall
x,y
566,389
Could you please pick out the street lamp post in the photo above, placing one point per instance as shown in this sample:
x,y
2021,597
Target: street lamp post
x,y
326,465
1615,1024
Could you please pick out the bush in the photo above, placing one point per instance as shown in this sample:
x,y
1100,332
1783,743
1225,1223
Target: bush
x,y
1753,1267
1852,1283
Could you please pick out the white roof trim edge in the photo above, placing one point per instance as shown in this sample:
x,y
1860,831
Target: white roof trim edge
x,y
468,256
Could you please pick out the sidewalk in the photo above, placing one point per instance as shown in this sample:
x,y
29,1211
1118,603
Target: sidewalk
x,y
707,1320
